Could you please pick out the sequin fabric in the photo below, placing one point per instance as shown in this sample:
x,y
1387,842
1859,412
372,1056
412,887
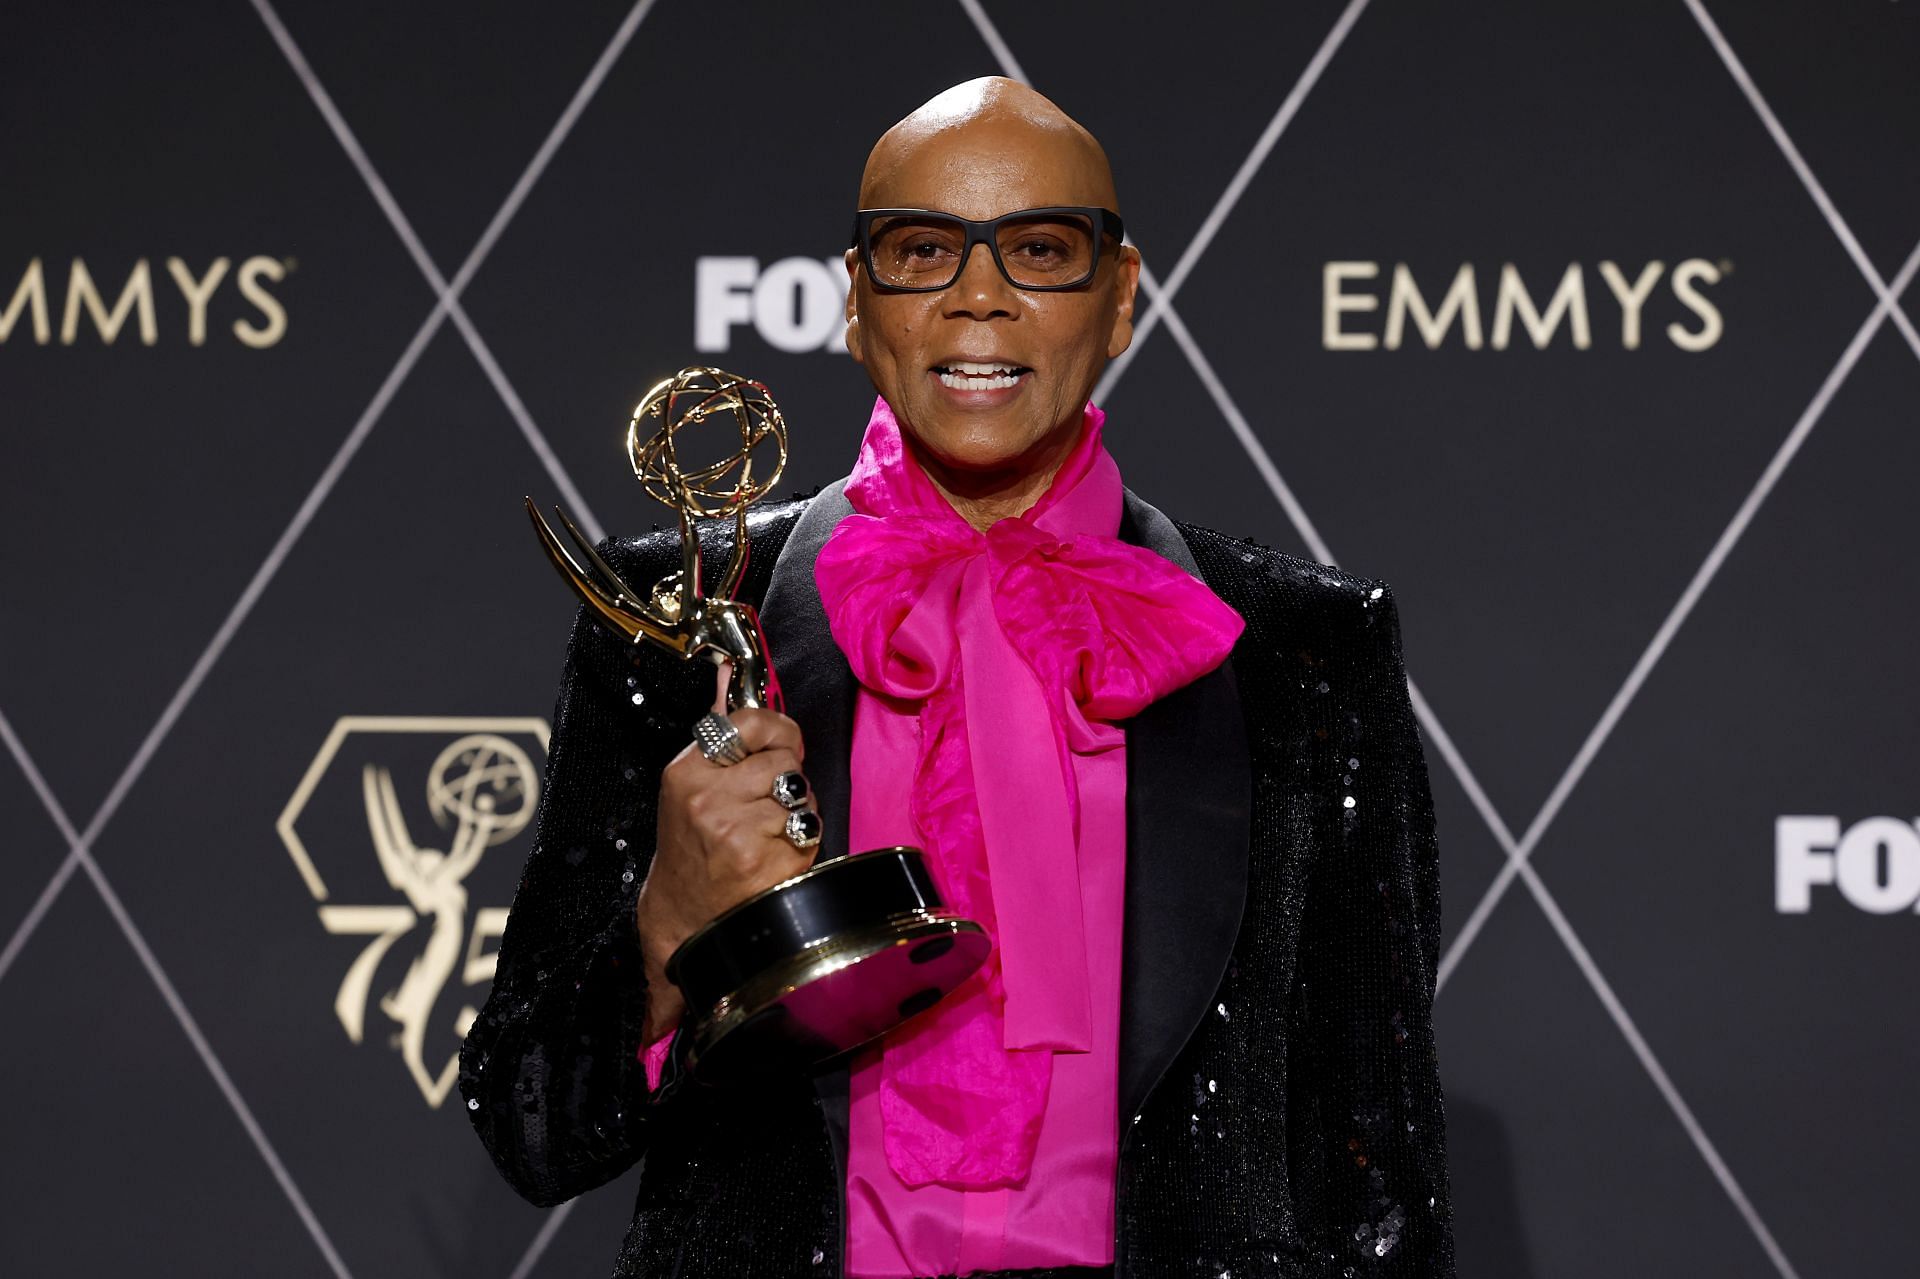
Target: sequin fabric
x,y
1301,1130
1298,1133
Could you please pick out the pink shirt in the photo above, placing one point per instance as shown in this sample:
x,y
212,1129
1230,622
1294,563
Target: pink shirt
x,y
1062,1215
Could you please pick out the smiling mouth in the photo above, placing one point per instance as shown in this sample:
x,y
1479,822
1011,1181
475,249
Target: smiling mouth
x,y
967,376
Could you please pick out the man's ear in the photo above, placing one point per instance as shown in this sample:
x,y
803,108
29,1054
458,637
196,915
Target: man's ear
x,y
1126,288
853,310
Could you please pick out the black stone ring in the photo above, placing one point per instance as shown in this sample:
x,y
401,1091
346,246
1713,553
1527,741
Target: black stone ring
x,y
803,828
790,790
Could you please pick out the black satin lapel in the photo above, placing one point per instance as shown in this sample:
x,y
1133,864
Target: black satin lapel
x,y
815,680
1189,809
817,688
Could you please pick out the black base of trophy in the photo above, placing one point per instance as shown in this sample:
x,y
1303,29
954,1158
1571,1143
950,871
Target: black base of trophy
x,y
819,964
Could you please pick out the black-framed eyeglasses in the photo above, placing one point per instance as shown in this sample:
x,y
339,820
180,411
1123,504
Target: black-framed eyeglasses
x,y
923,251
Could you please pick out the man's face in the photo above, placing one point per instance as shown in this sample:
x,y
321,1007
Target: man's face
x,y
1056,343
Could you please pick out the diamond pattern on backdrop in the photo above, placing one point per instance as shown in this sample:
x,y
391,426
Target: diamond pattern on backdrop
x,y
107,1123
34,853
394,582
1330,128
1679,808
81,854
1857,141
190,459
1533,1069
449,145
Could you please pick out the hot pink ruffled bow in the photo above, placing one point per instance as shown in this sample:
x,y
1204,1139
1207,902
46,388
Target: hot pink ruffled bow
x,y
1020,647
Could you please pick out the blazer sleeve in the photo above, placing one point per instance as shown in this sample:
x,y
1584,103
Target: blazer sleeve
x,y
1368,1151
550,1070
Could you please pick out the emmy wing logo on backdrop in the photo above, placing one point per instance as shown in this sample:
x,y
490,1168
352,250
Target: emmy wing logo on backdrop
x,y
413,805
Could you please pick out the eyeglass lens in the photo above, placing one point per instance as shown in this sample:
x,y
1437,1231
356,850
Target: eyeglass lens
x,y
923,251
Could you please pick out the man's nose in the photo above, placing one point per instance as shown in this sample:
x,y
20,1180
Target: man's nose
x,y
980,290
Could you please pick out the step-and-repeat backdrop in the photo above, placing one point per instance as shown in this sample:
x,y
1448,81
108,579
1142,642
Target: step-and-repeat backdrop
x,y
1580,323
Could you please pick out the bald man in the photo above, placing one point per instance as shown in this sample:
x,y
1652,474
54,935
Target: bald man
x,y
1176,775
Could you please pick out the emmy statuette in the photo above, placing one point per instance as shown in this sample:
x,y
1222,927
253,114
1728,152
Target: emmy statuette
x,y
851,947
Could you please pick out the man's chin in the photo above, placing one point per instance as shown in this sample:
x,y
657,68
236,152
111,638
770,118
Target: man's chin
x,y
972,448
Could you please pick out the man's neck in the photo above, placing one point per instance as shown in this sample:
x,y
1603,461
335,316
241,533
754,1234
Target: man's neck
x,y
984,498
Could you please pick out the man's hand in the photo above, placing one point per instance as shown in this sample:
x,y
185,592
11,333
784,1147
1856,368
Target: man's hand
x,y
720,840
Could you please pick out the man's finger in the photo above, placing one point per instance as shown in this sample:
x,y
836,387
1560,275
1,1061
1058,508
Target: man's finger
x,y
767,730
752,778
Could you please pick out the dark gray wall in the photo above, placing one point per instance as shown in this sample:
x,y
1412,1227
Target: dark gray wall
x,y
1657,595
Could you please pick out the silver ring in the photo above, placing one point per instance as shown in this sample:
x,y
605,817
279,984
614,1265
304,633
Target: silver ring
x,y
790,790
803,828
719,739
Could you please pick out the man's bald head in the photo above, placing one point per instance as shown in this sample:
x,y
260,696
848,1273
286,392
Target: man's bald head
x,y
989,380
979,132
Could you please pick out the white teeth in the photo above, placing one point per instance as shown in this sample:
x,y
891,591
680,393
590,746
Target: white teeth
x,y
974,382
965,375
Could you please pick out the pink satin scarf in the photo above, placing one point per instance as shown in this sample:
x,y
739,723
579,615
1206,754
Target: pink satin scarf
x,y
1018,646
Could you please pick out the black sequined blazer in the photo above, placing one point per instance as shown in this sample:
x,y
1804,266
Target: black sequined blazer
x,y
1280,1109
